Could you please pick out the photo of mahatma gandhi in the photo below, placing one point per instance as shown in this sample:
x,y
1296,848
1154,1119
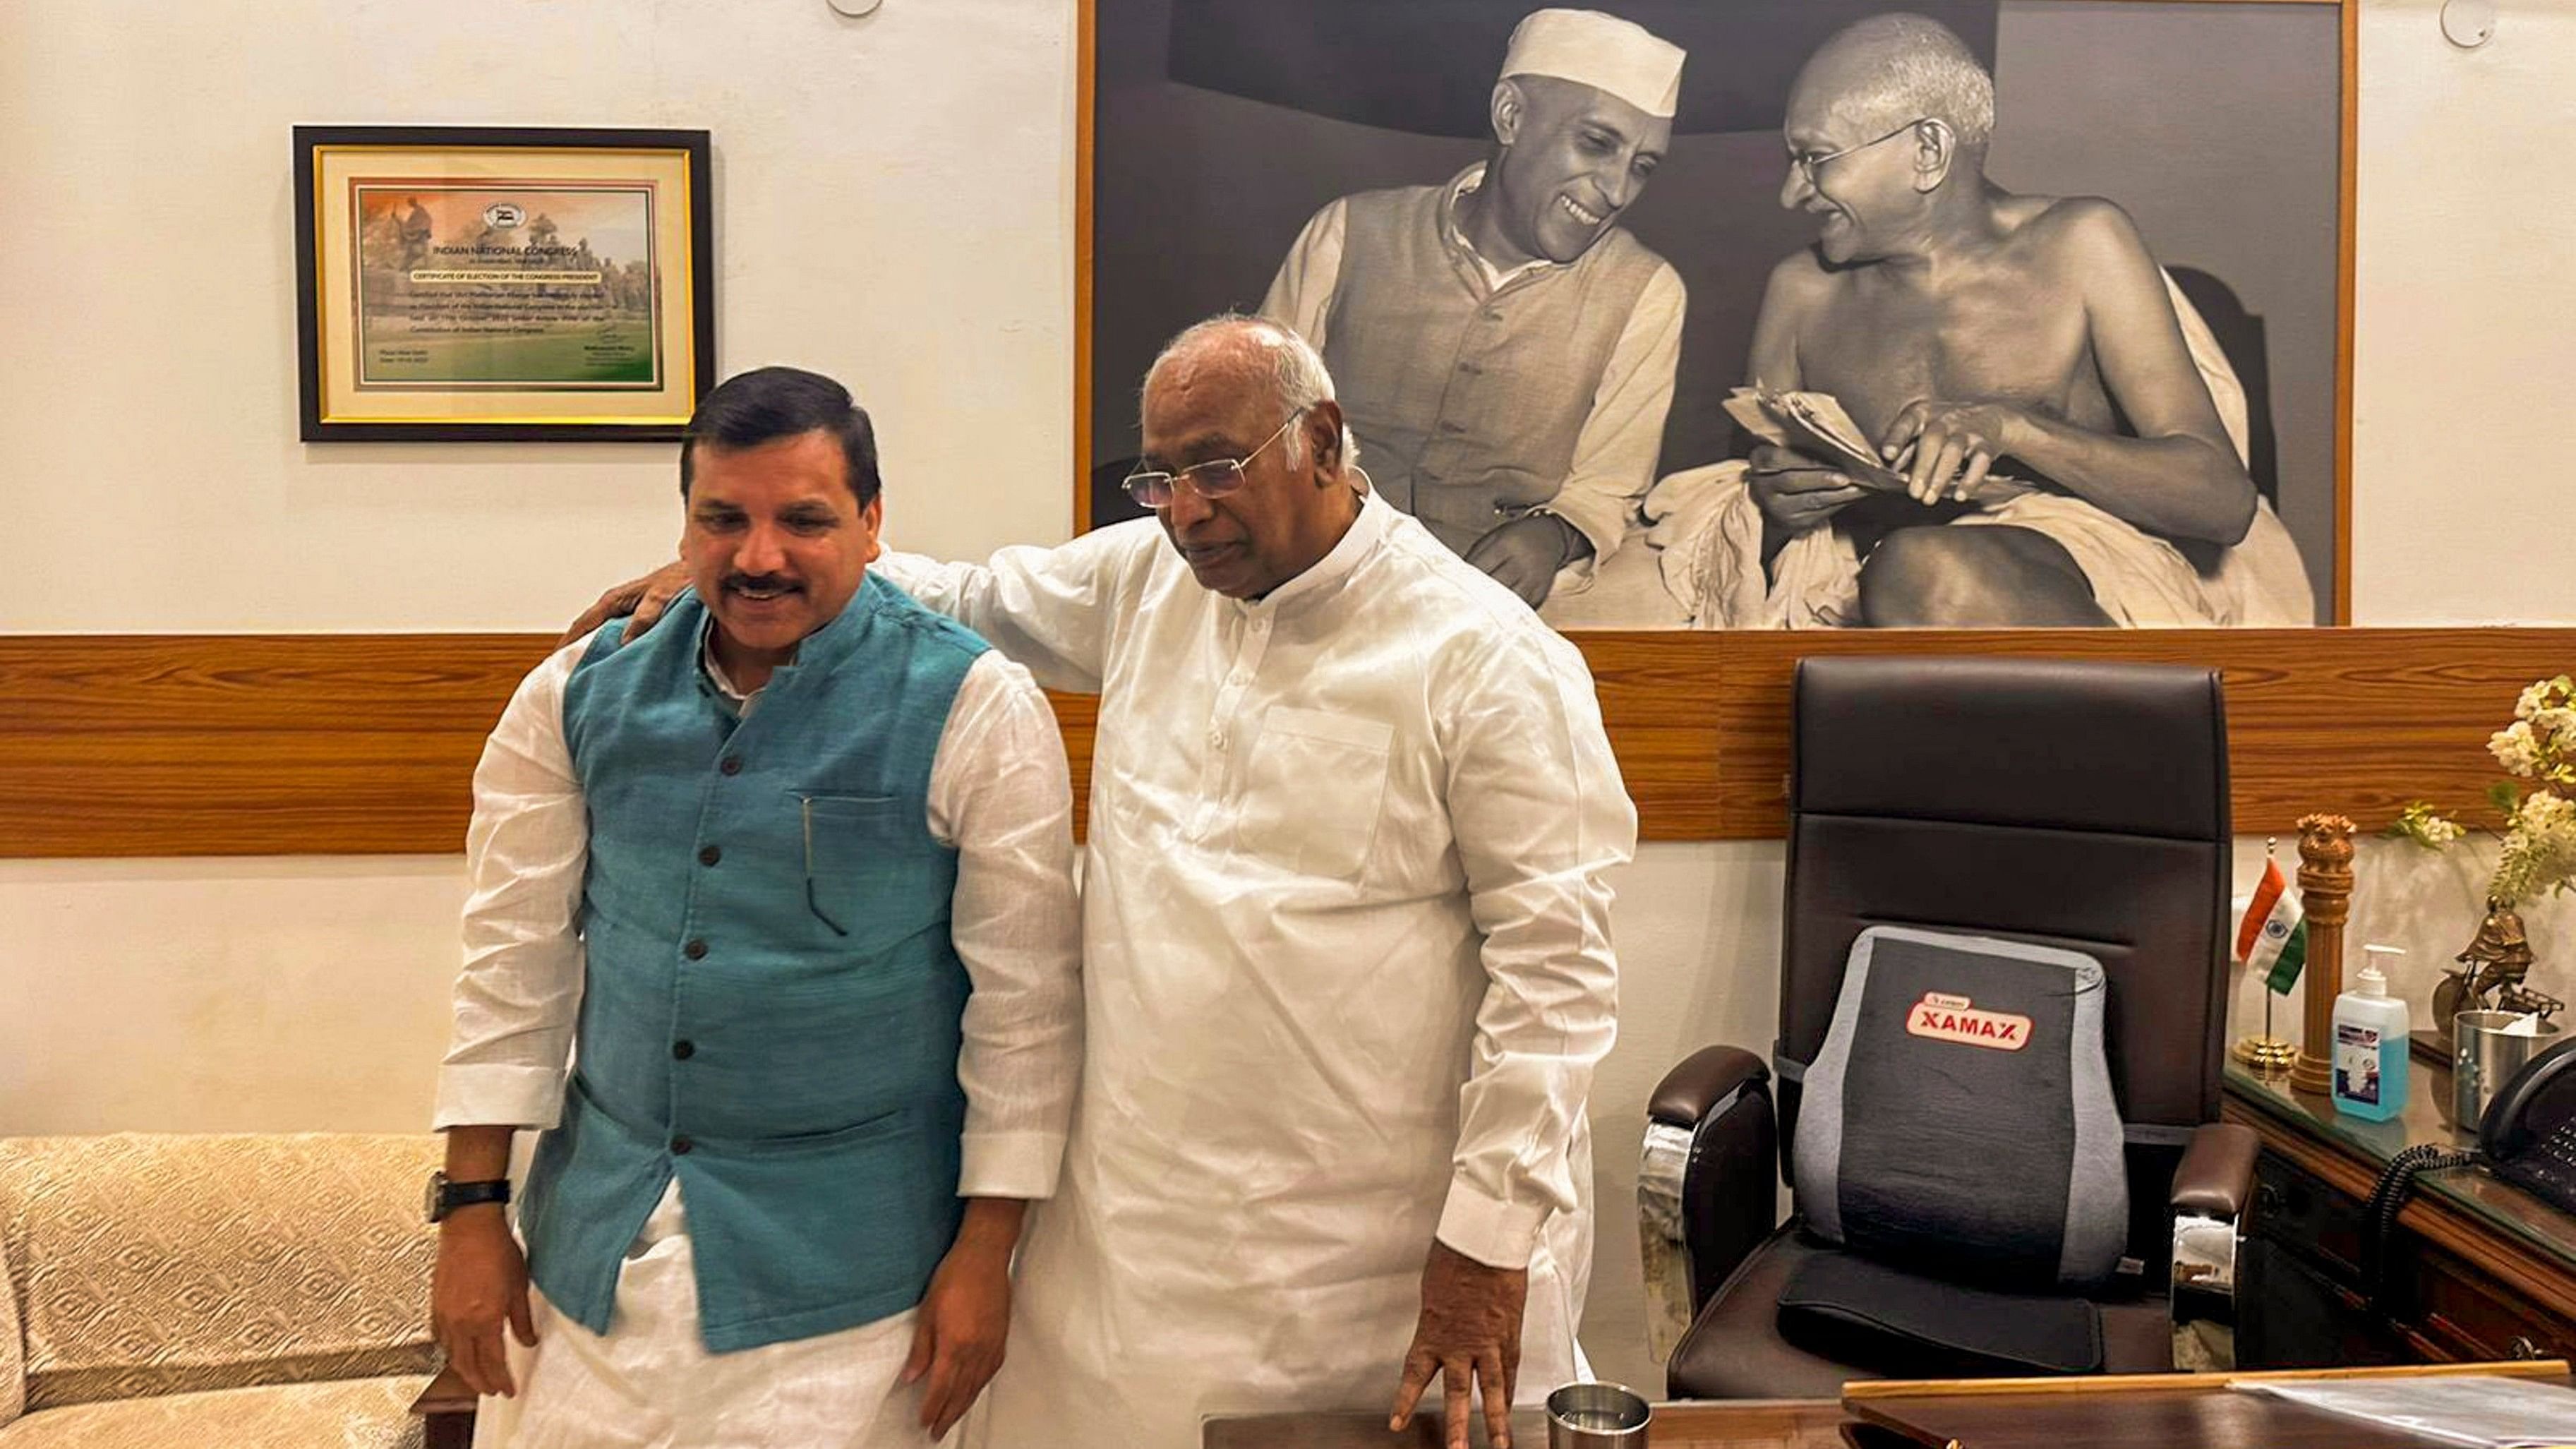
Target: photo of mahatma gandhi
x,y
2068,266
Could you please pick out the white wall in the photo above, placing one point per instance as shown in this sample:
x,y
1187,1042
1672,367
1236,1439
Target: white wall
x,y
2467,280
894,199
896,208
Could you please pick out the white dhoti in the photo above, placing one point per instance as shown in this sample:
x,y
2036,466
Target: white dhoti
x,y
1707,534
649,1382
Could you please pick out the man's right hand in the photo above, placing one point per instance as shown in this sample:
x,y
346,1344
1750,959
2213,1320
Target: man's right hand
x,y
481,1282
1796,493
644,599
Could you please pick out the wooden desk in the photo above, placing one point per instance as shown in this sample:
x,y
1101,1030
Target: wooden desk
x,y
2137,1411
2134,1411
1748,1424
2479,1269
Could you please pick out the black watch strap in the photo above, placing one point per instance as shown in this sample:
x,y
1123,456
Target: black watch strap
x,y
446,1197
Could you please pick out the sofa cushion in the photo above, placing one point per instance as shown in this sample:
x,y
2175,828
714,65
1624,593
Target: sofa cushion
x,y
341,1414
159,1264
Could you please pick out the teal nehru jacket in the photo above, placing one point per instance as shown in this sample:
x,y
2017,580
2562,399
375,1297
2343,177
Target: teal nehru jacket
x,y
771,1002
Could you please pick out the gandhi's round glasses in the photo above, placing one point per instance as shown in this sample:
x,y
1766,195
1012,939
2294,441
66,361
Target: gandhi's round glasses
x,y
1214,478
1806,162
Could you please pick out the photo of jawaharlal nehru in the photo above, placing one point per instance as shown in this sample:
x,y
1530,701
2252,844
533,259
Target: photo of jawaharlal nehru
x,y
1504,348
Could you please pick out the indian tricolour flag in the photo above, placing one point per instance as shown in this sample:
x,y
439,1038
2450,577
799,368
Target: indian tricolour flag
x,y
2273,935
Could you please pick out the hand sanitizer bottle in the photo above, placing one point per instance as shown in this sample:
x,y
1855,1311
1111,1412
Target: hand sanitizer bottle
x,y
2370,1043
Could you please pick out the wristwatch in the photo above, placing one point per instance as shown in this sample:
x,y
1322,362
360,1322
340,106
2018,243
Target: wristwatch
x,y
445,1197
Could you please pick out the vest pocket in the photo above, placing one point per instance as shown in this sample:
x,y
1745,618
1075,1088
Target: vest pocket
x,y
1312,791
870,876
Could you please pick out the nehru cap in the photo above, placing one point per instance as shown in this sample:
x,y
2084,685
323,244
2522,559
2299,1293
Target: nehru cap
x,y
1604,52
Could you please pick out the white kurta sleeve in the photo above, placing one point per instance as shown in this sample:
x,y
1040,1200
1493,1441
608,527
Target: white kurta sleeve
x,y
517,999
1049,610
1301,295
999,794
1623,436
1540,817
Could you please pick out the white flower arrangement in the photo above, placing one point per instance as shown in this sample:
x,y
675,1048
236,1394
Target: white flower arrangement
x,y
2539,854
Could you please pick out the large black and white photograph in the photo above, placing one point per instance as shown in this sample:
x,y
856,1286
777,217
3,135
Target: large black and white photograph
x,y
1771,313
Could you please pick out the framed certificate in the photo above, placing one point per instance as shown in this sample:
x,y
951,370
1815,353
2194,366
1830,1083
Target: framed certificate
x,y
481,284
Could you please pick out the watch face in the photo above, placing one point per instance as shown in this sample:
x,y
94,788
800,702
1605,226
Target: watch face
x,y
429,1198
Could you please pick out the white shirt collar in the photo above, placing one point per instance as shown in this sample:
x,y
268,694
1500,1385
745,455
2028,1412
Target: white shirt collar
x,y
1495,277
1336,565
742,700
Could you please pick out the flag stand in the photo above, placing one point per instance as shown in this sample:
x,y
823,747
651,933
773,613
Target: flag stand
x,y
2266,1053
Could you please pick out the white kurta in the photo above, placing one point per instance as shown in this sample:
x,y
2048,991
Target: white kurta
x,y
1347,974
998,795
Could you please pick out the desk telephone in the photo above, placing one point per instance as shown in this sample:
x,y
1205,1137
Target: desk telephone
x,y
2529,1132
2528,1138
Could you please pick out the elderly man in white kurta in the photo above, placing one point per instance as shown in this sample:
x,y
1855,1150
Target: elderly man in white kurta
x,y
1348,964
1504,348
773,931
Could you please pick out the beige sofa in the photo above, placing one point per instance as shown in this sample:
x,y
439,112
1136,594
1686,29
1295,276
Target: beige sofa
x,y
253,1292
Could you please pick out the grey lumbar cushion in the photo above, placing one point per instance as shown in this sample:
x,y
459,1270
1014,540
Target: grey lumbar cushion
x,y
1959,1120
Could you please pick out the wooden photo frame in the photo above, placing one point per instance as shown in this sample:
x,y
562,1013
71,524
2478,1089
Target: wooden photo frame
x,y
501,284
1211,132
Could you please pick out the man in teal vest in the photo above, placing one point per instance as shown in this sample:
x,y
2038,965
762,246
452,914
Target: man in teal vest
x,y
1504,348
772,930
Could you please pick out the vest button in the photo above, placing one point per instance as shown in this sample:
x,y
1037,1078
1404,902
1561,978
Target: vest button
x,y
696,950
680,1146
1452,426
709,855
730,764
1471,369
683,1049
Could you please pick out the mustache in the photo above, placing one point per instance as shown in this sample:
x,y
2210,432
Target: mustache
x,y
772,582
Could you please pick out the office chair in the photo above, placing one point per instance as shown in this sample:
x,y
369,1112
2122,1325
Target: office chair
x,y
2052,802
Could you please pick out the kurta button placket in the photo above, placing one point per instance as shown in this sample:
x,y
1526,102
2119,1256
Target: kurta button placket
x,y
683,1049
709,855
730,764
696,950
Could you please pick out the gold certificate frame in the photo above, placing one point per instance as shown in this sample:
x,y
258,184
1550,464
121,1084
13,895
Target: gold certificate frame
x,y
488,284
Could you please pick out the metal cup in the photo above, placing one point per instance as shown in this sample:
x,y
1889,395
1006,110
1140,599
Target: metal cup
x,y
2484,1056
1597,1416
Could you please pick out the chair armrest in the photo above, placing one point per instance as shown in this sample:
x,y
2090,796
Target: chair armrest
x,y
2211,1187
446,1411
2216,1175
1707,1183
1704,1079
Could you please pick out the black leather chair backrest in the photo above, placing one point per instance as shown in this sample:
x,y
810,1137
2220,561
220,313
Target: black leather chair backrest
x,y
2073,803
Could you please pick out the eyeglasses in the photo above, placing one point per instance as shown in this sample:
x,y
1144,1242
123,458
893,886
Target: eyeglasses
x,y
1806,162
1214,478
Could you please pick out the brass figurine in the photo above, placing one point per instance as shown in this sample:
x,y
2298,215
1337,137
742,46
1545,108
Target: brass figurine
x,y
2494,965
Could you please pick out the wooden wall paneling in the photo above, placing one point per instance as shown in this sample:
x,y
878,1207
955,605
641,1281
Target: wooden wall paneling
x,y
358,744
247,744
